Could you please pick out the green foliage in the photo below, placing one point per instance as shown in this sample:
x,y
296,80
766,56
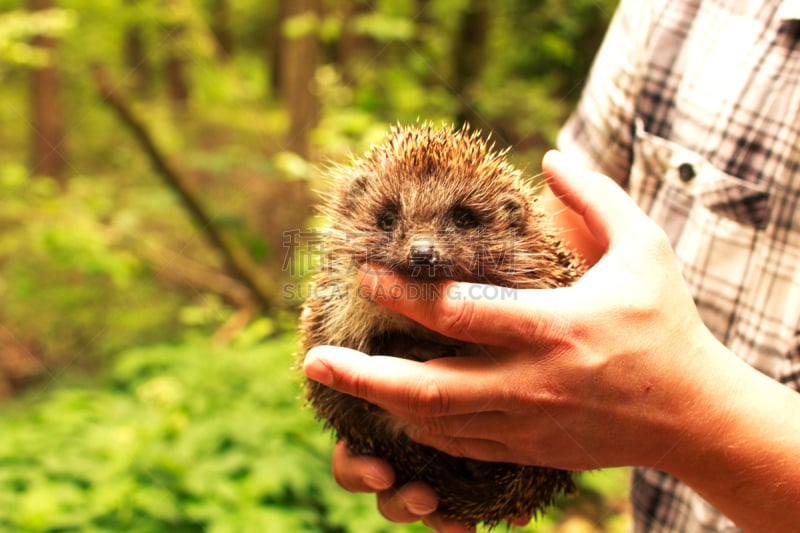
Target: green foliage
x,y
189,437
540,55
601,504
537,58
17,27
194,437
384,27
72,275
554,41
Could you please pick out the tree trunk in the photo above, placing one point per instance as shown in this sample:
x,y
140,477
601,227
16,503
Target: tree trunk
x,y
47,121
176,62
423,20
469,56
273,44
263,289
299,59
221,26
136,58
425,26
352,45
177,87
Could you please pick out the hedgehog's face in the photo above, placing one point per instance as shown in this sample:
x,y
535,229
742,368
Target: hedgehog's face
x,y
432,224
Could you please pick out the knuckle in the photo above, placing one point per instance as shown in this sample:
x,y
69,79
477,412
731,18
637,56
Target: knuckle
x,y
456,314
655,239
341,479
427,397
357,384
345,468
387,507
390,506
429,425
336,464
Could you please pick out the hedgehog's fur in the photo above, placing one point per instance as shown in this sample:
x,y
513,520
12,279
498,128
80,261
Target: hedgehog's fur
x,y
478,221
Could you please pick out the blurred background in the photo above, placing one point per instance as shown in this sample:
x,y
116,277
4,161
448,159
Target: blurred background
x,y
159,160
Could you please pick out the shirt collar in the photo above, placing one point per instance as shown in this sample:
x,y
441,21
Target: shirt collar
x,y
789,10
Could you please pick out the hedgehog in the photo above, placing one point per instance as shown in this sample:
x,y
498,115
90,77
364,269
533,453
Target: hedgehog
x,y
432,203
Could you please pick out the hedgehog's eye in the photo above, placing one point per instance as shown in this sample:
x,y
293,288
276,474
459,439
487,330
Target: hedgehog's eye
x,y
465,218
387,220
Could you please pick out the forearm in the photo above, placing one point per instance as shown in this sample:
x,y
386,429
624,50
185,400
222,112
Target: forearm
x,y
739,446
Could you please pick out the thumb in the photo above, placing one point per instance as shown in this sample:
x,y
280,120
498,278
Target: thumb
x,y
608,211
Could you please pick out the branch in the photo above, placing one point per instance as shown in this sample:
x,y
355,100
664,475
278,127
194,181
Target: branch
x,y
236,259
180,269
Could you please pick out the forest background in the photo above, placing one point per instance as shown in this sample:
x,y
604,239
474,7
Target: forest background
x,y
159,160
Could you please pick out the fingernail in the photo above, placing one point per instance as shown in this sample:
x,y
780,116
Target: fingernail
x,y
420,508
554,157
376,482
316,369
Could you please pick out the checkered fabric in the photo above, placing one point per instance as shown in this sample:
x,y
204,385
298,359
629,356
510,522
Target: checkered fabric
x,y
694,106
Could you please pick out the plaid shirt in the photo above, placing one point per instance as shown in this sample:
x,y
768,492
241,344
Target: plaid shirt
x,y
694,105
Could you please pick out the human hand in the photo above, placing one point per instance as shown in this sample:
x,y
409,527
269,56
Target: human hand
x,y
598,374
615,370
410,503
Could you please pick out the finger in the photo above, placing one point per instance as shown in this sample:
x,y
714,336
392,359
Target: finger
x,y
471,312
474,448
410,503
417,501
494,425
606,208
402,386
538,450
360,473
520,521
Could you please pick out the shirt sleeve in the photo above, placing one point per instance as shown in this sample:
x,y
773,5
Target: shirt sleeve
x,y
599,134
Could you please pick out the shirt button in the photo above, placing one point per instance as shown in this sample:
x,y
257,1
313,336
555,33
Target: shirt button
x,y
686,172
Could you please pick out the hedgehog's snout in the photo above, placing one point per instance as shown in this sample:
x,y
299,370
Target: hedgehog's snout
x,y
422,252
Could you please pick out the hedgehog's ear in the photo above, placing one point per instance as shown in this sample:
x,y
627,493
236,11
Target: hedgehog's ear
x,y
354,191
512,212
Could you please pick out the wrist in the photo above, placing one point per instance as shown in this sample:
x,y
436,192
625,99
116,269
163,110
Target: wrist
x,y
707,408
737,443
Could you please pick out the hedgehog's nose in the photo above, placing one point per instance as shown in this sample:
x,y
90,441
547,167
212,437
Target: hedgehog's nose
x,y
423,252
